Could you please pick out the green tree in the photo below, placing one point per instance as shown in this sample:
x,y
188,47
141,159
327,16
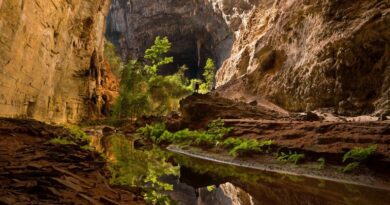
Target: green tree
x,y
133,100
113,59
143,92
156,54
209,74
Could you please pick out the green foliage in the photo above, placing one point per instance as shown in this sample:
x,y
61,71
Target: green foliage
x,y
211,188
113,58
217,128
156,53
321,163
133,99
153,132
128,169
155,197
291,157
209,74
231,142
143,92
250,146
61,141
212,136
78,134
359,154
166,91
350,167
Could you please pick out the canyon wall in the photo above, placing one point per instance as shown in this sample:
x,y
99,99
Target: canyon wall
x,y
307,54
299,54
51,62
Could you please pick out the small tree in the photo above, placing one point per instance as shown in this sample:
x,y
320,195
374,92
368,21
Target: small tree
x,y
113,59
143,92
156,54
133,98
209,73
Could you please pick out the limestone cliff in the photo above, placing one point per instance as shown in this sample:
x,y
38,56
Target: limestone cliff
x,y
51,62
304,54
299,54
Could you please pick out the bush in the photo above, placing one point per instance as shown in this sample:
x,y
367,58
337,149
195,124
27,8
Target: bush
x,y
350,167
291,157
218,129
144,92
153,132
359,154
231,142
250,146
158,134
113,58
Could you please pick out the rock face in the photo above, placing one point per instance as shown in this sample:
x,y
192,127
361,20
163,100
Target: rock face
x,y
51,62
299,54
304,54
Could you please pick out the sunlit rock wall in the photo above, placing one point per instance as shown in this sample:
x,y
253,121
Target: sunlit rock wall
x,y
51,62
307,54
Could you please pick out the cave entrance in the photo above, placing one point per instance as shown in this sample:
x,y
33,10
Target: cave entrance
x,y
190,51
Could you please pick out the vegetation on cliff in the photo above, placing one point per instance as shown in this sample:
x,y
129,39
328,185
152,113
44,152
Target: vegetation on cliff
x,y
144,92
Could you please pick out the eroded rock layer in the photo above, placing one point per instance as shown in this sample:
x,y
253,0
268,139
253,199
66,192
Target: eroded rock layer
x,y
304,54
51,61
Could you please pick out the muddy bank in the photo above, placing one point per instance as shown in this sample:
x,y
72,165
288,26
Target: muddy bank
x,y
33,171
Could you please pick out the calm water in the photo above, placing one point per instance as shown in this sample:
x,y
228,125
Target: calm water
x,y
235,185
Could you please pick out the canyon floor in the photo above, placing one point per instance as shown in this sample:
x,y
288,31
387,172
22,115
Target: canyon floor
x,y
34,171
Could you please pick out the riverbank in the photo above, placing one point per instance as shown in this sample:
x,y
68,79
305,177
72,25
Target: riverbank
x,y
269,164
34,170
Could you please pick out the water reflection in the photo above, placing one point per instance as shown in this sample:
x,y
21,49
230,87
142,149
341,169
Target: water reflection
x,y
187,181
237,185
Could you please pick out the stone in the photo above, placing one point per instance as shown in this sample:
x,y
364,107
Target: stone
x,y
51,59
328,54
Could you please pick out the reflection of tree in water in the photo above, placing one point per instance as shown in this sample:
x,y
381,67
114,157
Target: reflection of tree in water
x,y
141,168
152,170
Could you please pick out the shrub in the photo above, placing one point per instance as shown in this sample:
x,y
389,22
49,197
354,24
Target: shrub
x,y
291,157
113,58
209,75
350,167
231,142
78,135
249,146
218,129
359,154
152,132
211,188
213,135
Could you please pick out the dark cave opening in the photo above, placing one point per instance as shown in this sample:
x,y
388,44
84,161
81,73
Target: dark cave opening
x,y
189,51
